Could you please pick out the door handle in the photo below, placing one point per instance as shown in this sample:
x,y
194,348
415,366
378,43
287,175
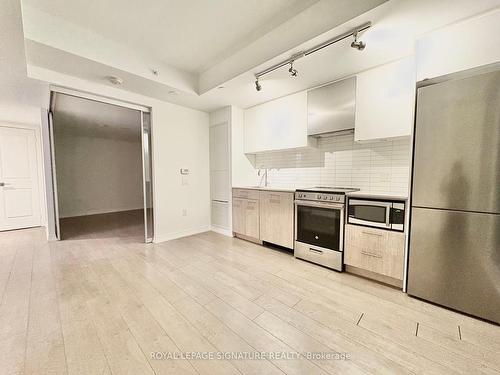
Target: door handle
x,y
4,184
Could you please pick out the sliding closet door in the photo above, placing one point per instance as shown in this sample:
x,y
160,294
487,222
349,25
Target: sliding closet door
x,y
147,176
54,177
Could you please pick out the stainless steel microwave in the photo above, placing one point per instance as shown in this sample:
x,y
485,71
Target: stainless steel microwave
x,y
386,214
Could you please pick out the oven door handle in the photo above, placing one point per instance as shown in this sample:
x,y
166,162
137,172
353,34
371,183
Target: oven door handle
x,y
335,206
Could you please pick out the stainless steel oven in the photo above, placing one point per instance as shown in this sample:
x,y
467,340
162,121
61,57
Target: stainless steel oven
x,y
386,214
319,228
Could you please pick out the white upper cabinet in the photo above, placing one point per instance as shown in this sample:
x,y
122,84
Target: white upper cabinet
x,y
277,125
461,46
385,101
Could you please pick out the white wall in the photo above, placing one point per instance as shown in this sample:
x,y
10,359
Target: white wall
x,y
97,175
180,140
19,113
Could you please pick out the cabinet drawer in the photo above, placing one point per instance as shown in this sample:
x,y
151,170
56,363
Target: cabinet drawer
x,y
375,250
246,193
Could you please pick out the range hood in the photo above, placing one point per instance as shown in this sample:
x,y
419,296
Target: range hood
x,y
331,108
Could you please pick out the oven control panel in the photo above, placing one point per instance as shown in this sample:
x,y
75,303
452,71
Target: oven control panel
x,y
322,197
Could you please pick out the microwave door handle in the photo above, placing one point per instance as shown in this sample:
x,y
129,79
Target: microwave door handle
x,y
388,216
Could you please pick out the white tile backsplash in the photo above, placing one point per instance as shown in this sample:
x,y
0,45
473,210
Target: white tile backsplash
x,y
378,167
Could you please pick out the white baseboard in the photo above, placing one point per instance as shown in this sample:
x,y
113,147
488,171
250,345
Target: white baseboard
x,y
224,231
162,237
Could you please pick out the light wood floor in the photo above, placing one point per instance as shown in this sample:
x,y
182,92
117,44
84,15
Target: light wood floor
x,y
102,306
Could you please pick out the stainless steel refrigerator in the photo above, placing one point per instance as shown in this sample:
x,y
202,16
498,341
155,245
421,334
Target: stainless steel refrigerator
x,y
454,252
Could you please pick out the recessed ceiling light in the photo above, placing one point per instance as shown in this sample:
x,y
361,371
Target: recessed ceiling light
x,y
115,80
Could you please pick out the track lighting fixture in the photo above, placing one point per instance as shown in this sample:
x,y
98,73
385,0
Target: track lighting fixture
x,y
258,87
358,44
293,72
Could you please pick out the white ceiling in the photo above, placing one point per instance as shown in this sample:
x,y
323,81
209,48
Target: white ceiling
x,y
20,97
83,54
88,118
188,34
396,26
219,39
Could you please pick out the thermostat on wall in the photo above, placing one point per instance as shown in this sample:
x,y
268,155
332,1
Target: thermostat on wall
x,y
184,171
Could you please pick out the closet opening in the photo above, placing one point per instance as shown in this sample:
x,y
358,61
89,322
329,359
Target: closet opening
x,y
101,169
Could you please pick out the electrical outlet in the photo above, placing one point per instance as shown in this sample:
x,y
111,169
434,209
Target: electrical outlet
x,y
184,212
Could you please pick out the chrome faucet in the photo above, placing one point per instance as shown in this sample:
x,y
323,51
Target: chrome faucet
x,y
264,176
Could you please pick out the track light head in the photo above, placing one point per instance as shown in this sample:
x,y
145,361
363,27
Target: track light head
x,y
357,44
258,86
293,72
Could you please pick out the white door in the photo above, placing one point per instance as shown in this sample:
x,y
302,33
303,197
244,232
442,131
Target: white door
x,y
19,189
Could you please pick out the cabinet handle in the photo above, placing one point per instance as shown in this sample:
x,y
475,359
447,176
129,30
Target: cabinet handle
x,y
370,254
373,234
274,199
250,206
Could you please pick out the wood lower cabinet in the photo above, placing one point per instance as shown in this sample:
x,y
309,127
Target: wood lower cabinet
x,y
375,250
246,213
276,218
239,205
252,218
264,215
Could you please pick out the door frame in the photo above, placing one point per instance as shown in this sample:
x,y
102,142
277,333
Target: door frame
x,y
39,163
49,159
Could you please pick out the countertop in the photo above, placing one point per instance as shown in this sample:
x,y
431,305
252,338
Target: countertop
x,y
267,188
367,194
358,194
